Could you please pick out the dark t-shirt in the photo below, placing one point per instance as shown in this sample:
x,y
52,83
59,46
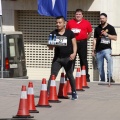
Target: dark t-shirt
x,y
64,51
103,42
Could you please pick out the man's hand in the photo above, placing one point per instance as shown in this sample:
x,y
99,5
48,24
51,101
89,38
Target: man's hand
x,y
72,56
93,53
50,47
103,32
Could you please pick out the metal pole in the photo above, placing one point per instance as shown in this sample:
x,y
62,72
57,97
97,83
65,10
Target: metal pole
x,y
1,47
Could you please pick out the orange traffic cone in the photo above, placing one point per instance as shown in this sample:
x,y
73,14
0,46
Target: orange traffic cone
x,y
43,99
30,96
69,91
84,81
78,80
23,111
53,91
63,87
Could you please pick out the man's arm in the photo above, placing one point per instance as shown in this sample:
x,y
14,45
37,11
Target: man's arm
x,y
72,56
50,47
89,30
89,35
112,37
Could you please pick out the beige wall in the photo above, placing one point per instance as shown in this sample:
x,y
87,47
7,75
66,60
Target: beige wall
x,y
9,8
116,44
111,7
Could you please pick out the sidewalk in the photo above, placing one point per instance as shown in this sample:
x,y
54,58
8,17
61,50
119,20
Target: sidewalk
x,y
99,102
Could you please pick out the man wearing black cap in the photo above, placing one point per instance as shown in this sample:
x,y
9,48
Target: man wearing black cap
x,y
103,35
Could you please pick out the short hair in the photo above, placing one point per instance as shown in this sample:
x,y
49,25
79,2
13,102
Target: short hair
x,y
103,14
78,10
60,17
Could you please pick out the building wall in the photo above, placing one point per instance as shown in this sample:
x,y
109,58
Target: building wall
x,y
111,7
108,6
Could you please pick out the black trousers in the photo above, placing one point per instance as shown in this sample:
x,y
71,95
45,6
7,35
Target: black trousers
x,y
82,53
57,64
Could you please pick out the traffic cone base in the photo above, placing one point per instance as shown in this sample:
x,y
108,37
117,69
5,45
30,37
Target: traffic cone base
x,y
86,87
46,106
23,116
33,111
36,96
63,97
55,101
80,90
69,93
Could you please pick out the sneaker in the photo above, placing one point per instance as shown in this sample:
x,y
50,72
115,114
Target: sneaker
x,y
111,80
88,80
74,96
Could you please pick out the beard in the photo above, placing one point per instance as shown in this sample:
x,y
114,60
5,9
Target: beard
x,y
103,23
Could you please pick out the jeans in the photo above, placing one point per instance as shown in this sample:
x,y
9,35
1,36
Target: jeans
x,y
100,63
57,64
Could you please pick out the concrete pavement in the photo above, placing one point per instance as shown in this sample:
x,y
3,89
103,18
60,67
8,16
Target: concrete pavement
x,y
99,102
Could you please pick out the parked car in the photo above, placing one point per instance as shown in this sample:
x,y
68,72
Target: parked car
x,y
14,62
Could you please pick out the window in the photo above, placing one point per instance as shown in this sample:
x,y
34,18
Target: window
x,y
12,47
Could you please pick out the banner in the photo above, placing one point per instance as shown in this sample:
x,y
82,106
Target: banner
x,y
53,8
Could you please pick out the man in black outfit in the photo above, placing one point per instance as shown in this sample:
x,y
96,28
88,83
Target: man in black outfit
x,y
64,55
103,35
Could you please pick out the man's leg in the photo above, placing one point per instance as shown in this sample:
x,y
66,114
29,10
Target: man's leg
x,y
74,61
109,59
100,64
56,66
82,52
68,66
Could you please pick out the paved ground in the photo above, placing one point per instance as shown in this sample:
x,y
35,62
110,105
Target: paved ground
x,y
99,102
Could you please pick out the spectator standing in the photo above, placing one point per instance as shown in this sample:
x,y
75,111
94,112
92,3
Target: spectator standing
x,y
103,35
83,31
